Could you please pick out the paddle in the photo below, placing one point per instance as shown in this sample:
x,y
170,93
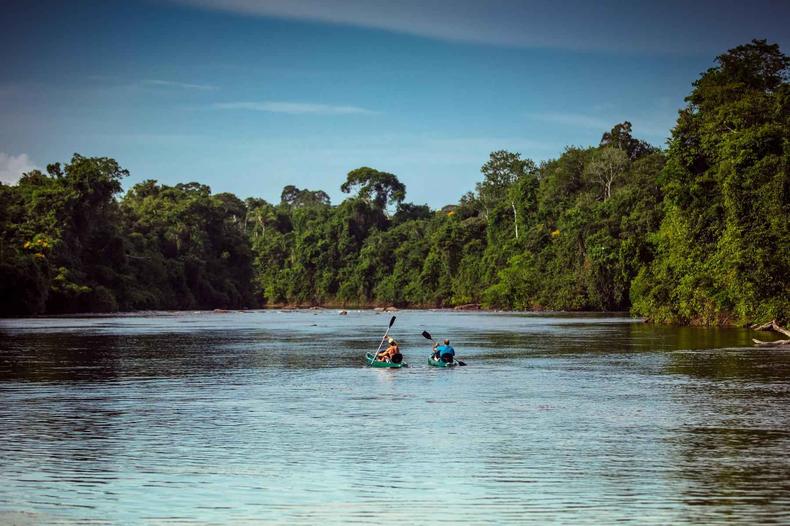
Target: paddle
x,y
427,336
392,320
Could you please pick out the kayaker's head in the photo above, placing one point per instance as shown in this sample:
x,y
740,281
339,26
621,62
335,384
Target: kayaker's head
x,y
391,340
446,341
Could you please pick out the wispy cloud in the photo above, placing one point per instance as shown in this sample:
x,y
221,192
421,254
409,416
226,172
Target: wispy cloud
x,y
294,108
572,24
175,84
13,166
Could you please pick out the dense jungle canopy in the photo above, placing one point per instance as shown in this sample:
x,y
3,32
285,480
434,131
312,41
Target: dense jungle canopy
x,y
696,233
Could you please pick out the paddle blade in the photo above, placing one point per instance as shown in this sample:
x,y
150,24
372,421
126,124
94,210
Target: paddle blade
x,y
462,364
427,335
392,320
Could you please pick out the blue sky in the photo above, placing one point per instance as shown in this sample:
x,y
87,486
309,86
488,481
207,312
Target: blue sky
x,y
248,96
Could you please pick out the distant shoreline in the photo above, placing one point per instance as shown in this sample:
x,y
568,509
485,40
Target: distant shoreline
x,y
378,310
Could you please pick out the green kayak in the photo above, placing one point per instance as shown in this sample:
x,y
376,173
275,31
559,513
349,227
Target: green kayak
x,y
387,365
439,363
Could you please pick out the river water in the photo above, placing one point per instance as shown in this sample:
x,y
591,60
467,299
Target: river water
x,y
271,417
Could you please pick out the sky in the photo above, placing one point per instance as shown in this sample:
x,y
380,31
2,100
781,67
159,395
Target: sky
x,y
248,96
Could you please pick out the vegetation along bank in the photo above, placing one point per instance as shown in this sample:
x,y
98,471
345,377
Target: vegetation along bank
x,y
695,233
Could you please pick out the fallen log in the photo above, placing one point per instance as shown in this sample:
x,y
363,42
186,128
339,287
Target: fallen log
x,y
777,343
771,326
468,306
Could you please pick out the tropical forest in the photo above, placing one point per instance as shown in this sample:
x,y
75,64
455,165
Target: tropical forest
x,y
695,231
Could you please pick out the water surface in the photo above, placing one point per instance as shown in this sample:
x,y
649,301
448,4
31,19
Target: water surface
x,y
271,417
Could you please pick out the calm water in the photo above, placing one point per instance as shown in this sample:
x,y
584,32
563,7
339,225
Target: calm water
x,y
270,417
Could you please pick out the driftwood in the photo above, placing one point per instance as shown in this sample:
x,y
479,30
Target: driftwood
x,y
771,326
468,306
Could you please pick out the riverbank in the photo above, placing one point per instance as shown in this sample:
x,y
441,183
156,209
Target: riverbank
x,y
723,322
323,308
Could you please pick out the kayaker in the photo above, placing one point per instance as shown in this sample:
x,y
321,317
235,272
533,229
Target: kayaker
x,y
391,353
443,352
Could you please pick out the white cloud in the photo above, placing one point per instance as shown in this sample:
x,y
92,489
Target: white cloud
x,y
175,84
295,108
13,166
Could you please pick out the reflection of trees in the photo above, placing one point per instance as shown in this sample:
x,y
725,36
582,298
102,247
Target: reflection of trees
x,y
731,443
549,339
48,357
741,474
59,420
74,358
663,337
561,336
62,433
744,365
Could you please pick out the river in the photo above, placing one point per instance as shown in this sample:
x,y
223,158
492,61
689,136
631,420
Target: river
x,y
271,417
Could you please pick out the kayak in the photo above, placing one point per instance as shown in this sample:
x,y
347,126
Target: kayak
x,y
377,363
439,363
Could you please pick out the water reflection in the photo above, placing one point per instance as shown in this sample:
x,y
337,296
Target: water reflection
x,y
735,364
735,432
272,417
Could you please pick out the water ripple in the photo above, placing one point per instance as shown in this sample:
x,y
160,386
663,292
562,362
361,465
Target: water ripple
x,y
271,417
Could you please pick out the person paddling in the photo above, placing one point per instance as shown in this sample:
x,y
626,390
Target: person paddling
x,y
443,352
391,353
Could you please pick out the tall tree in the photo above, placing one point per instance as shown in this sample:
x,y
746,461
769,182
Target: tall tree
x,y
608,166
500,174
375,187
293,196
620,137
723,249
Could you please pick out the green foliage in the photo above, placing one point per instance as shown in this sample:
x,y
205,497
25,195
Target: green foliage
x,y
607,167
509,245
375,187
698,234
620,137
188,249
723,248
293,196
69,246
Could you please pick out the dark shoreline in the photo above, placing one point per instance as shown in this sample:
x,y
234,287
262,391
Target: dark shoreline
x,y
380,310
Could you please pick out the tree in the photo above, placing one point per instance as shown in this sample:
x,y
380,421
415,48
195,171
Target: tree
x,y
411,212
620,137
607,167
189,249
723,248
500,173
378,188
293,196
698,234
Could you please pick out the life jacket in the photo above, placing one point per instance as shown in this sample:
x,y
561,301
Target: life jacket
x,y
445,350
391,351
